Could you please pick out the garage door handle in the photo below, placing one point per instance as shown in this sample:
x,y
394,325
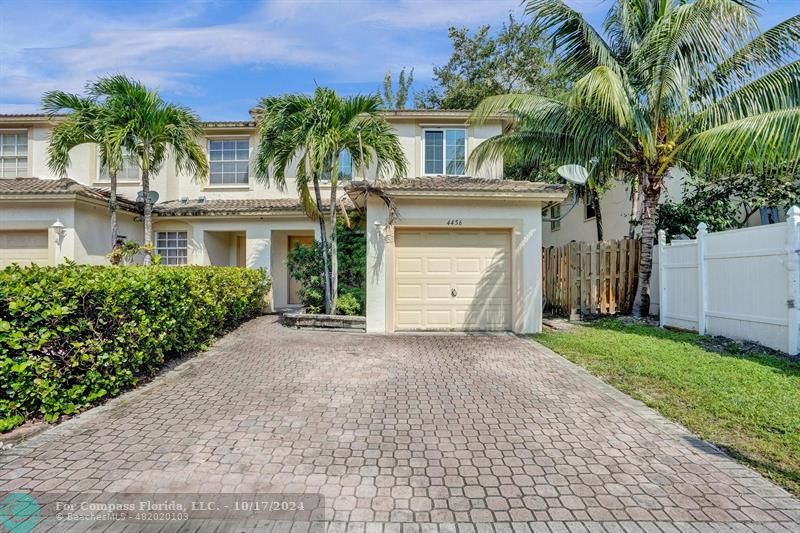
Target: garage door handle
x,y
453,293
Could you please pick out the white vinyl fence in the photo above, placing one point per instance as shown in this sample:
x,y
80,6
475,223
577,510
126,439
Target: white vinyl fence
x,y
741,284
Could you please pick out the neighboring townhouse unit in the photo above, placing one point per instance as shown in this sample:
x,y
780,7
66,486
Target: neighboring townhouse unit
x,y
465,253
615,207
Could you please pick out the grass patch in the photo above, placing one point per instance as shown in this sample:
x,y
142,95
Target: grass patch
x,y
747,404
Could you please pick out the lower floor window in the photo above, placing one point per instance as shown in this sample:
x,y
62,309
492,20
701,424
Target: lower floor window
x,y
172,247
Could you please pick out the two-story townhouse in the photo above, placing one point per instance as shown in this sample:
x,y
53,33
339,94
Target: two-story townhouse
x,y
464,253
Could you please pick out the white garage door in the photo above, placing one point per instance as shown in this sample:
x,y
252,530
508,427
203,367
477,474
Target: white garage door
x,y
453,280
23,247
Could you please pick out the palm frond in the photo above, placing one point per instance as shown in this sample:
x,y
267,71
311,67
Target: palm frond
x,y
607,95
765,51
753,144
779,89
578,45
570,133
683,46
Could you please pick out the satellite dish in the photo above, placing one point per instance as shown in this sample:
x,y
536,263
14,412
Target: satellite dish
x,y
152,195
575,174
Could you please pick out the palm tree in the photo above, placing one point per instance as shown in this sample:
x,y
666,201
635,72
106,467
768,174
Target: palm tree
x,y
85,123
312,132
679,83
150,129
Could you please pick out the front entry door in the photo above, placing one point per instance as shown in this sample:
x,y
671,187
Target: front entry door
x,y
293,284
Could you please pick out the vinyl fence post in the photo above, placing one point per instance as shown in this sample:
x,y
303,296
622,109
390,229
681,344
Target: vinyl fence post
x,y
793,278
702,231
662,278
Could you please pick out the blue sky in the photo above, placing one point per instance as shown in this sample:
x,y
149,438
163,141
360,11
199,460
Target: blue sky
x,y
220,56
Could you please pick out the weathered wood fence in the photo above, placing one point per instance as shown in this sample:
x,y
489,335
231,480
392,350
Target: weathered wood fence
x,y
590,278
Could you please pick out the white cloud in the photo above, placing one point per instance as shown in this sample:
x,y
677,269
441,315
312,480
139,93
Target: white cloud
x,y
44,46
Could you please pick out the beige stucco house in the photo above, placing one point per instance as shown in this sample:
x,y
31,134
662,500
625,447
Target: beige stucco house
x,y
463,255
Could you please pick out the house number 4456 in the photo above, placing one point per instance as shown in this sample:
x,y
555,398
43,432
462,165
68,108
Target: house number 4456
x,y
455,222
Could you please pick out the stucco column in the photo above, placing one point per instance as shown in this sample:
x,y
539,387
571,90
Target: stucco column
x,y
377,258
528,244
258,250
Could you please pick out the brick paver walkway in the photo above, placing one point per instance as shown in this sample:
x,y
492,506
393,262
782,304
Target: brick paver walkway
x,y
440,429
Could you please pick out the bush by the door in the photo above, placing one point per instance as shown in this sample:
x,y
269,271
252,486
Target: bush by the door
x,y
305,266
73,335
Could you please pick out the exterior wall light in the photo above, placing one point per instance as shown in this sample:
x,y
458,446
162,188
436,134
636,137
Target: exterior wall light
x,y
59,230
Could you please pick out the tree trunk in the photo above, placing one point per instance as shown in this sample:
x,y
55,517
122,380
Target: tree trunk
x,y
651,190
334,250
635,197
148,218
326,274
598,215
112,206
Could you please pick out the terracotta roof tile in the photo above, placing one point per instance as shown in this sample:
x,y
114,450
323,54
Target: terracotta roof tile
x,y
48,186
248,206
469,184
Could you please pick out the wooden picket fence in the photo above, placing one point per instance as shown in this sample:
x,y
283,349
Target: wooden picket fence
x,y
590,278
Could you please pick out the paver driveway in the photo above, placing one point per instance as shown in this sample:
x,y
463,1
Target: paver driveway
x,y
436,429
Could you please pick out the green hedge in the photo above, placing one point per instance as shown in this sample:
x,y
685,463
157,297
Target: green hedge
x,y
73,335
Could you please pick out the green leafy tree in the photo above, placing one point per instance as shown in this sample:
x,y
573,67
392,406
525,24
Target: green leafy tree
x,y
150,129
690,84
86,122
726,203
310,133
397,99
517,59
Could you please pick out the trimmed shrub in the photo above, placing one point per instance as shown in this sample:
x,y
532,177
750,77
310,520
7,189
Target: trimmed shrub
x,y
349,302
73,335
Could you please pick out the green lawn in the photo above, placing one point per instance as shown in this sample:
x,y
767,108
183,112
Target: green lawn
x,y
748,405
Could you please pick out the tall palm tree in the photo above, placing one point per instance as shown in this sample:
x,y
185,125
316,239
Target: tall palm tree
x,y
678,83
312,132
150,129
85,123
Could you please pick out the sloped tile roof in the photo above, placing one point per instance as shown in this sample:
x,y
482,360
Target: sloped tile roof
x,y
62,186
249,206
471,185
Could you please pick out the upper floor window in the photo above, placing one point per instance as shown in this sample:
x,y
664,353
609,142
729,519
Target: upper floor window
x,y
230,161
13,155
345,167
445,151
129,171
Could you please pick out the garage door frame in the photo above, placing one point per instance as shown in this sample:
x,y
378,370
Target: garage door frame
x,y
512,225
508,231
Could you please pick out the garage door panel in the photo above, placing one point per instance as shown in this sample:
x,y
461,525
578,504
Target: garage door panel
x,y
409,291
437,265
409,264
436,291
476,264
23,247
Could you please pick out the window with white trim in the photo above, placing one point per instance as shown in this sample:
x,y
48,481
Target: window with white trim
x,y
13,154
128,171
230,161
445,151
172,246
345,167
